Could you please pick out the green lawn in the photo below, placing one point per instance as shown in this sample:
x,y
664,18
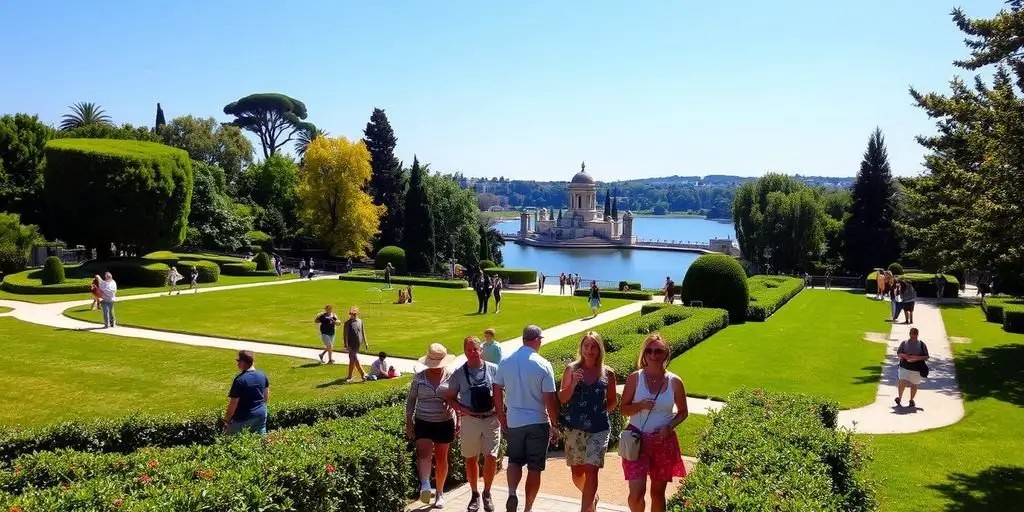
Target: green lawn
x,y
49,374
978,463
5,310
284,314
688,433
64,297
814,344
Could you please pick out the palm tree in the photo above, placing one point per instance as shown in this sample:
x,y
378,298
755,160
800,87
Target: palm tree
x,y
84,114
305,137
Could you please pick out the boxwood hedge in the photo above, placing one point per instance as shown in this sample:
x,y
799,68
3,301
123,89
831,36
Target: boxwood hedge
x,y
769,451
769,293
514,275
1005,310
240,268
53,271
633,285
718,281
612,293
209,272
418,281
924,284
29,282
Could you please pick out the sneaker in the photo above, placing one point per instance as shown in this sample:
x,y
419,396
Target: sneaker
x,y
488,502
912,404
898,404
474,503
426,494
321,356
512,503
439,501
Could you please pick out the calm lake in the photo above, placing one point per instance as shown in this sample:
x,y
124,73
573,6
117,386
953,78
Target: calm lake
x,y
648,267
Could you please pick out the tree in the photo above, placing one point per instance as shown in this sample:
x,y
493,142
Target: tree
x,y
306,136
208,141
869,233
607,204
494,242
485,249
964,212
214,221
418,239
332,203
615,208
559,216
456,219
160,122
22,141
16,240
274,118
389,182
84,114
272,184
780,223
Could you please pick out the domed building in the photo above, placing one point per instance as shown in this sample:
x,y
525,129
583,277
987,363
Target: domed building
x,y
584,218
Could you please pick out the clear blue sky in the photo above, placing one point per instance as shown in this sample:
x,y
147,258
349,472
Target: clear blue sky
x,y
521,89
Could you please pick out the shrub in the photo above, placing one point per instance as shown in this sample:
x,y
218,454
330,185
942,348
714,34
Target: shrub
x,y
261,240
769,293
1013,319
514,276
172,258
131,271
419,281
129,433
30,282
652,307
896,269
242,268
769,451
487,264
633,285
612,293
209,272
924,284
53,271
263,262
12,259
393,255
718,281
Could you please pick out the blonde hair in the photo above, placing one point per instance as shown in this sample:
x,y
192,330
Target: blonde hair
x,y
641,361
489,331
590,335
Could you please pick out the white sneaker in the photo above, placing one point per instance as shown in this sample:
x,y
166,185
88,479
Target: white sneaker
x,y
439,501
426,494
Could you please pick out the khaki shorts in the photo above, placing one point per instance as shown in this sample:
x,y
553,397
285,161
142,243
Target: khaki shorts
x,y
480,436
911,376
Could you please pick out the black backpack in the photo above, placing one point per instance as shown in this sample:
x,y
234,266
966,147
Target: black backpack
x,y
480,399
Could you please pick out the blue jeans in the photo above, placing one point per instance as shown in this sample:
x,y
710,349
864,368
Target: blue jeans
x,y
257,424
108,313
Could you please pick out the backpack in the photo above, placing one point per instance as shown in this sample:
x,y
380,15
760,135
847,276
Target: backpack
x,y
480,399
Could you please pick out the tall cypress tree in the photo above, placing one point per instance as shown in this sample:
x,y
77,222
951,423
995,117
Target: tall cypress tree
x,y
418,242
607,203
615,208
559,216
160,122
388,182
870,237
485,246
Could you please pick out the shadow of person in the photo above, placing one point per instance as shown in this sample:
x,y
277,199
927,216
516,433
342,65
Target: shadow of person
x,y
993,488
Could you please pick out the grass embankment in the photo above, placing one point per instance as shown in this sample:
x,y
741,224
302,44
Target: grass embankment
x,y
223,280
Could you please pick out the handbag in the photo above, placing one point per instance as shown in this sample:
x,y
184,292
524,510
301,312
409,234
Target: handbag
x,y
629,440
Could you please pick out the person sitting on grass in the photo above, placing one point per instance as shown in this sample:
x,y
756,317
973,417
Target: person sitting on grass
x,y
382,369
408,293
402,297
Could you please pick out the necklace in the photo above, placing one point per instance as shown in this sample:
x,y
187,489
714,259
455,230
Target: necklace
x,y
650,382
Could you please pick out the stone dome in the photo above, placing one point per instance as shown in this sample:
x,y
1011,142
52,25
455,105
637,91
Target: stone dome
x,y
582,177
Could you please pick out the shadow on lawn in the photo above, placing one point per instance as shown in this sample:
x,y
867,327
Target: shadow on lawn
x,y
994,488
993,372
871,375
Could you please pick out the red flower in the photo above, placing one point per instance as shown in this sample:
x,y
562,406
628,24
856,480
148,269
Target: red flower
x,y
15,509
145,479
153,463
17,470
64,487
204,474
330,468
687,503
117,502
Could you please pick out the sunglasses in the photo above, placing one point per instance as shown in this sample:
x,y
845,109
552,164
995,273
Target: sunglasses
x,y
654,351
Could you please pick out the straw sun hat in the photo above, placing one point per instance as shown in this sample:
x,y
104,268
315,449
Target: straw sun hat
x,y
437,357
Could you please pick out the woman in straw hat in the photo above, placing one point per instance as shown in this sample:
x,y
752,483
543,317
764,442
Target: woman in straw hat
x,y
430,421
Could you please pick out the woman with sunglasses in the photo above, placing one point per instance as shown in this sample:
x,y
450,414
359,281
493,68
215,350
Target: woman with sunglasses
x,y
655,401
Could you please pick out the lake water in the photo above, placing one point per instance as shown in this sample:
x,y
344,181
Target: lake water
x,y
647,266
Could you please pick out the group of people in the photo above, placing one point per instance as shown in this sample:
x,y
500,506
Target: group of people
x,y
104,294
305,268
827,279
486,287
491,396
173,276
901,294
570,281
670,290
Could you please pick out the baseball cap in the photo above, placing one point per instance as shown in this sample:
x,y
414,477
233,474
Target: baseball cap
x,y
531,332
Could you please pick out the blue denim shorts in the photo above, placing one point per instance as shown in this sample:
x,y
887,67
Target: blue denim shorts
x,y
257,424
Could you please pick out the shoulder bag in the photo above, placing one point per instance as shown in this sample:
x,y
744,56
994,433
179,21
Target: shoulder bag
x,y
629,440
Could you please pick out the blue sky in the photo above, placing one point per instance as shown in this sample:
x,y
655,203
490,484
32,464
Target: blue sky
x,y
520,89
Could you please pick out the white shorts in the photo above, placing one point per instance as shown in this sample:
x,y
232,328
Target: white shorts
x,y
328,339
911,376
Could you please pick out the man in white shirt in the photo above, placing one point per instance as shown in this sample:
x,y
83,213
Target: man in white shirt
x,y
108,290
381,368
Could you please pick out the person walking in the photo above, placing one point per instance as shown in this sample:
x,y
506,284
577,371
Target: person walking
x,y
940,286
354,337
309,271
483,293
880,284
97,294
248,397
430,422
588,391
491,348
895,299
277,265
173,276
388,271
108,289
912,354
655,401
194,280
594,299
302,268
909,296
471,393
527,409
328,323
496,291
828,278
540,283
561,283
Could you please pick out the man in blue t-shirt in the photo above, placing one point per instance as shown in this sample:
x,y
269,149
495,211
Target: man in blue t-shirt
x,y
247,400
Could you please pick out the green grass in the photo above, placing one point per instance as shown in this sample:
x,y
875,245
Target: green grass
x,y
814,344
284,314
978,463
5,310
49,374
64,297
689,431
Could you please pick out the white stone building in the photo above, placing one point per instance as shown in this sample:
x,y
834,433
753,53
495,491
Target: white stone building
x,y
584,218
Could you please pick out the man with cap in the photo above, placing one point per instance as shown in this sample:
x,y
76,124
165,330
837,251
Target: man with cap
x,y
525,385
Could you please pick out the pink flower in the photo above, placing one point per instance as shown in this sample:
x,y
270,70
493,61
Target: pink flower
x,y
145,479
330,468
117,502
153,464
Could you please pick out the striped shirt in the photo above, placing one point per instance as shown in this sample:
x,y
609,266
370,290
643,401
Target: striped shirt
x,y
427,402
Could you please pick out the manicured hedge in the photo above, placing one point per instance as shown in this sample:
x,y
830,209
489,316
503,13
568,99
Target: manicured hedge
x,y
356,464
172,258
896,268
652,307
130,433
487,264
242,268
390,254
719,281
515,276
776,451
263,262
131,271
53,271
418,281
29,282
262,240
209,272
1005,310
633,285
769,293
923,284
612,293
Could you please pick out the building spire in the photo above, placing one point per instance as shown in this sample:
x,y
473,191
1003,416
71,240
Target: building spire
x,y
583,167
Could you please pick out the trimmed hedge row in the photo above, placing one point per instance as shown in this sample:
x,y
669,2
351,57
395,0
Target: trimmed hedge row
x,y
612,293
1005,310
514,275
29,282
923,284
633,285
171,258
130,433
209,272
356,464
769,451
420,281
769,293
132,271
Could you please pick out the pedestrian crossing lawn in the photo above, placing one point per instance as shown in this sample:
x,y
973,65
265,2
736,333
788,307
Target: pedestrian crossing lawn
x,y
814,344
49,374
284,314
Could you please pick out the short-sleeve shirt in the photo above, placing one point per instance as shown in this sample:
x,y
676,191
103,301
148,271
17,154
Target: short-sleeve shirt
x,y
480,376
491,352
377,367
250,388
525,376
109,290
919,350
909,293
354,332
327,321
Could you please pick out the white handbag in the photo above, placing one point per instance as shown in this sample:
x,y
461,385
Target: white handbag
x,y
629,440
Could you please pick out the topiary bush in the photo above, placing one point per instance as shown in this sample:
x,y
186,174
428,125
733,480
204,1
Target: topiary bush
x,y
769,293
30,282
1013,319
209,272
262,240
612,293
634,286
487,264
241,268
263,261
514,276
53,271
718,281
390,254
896,268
